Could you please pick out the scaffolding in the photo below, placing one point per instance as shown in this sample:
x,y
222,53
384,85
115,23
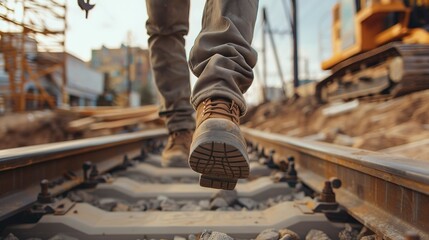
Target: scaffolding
x,y
32,47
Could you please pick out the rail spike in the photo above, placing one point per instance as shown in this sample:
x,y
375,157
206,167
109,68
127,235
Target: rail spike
x,y
326,202
44,196
270,160
292,174
90,175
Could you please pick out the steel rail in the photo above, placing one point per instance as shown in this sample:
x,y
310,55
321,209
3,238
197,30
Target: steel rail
x,y
22,169
388,194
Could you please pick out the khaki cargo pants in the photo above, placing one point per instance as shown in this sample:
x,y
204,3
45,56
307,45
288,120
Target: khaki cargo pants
x,y
221,57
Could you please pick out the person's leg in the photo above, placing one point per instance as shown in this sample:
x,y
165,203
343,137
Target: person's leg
x,y
166,26
222,59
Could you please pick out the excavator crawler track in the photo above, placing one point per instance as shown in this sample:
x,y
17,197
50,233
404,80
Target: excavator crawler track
x,y
392,70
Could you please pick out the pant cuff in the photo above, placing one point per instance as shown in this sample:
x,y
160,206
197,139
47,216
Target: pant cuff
x,y
221,93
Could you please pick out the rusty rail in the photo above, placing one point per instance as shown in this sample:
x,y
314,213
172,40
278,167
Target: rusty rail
x,y
21,169
388,194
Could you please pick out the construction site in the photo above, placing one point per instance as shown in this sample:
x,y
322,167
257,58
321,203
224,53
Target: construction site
x,y
336,144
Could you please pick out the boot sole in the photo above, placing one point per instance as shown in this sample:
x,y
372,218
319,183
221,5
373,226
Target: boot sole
x,y
221,158
219,183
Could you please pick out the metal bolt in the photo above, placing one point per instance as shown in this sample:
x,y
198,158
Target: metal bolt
x,y
94,173
91,178
126,160
143,154
44,184
292,175
327,194
270,161
292,171
86,167
335,182
44,195
284,165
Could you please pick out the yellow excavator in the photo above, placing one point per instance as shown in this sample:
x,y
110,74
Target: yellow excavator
x,y
380,47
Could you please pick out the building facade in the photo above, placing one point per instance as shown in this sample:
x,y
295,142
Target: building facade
x,y
83,84
127,75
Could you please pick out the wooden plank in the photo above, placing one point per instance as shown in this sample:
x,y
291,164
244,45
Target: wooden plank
x,y
80,124
127,113
89,111
124,122
114,113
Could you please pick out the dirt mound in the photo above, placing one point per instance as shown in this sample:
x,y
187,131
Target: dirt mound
x,y
365,125
24,129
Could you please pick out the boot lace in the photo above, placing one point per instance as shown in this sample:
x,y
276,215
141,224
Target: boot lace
x,y
221,107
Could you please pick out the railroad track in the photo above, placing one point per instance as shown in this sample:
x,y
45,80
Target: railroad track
x,y
114,188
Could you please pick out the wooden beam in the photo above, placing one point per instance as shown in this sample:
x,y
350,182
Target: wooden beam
x,y
124,122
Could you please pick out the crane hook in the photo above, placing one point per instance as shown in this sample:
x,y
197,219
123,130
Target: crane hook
x,y
86,6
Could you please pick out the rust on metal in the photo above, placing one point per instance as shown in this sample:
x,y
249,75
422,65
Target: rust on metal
x,y
25,33
327,194
29,165
44,195
390,195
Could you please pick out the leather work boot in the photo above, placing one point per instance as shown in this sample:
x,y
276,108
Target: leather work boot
x,y
218,150
176,152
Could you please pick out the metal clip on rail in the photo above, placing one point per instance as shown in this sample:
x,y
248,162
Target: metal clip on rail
x,y
143,154
283,165
270,161
289,175
90,175
326,201
46,203
126,163
292,174
44,196
93,174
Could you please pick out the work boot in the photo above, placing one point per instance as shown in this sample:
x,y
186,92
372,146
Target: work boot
x,y
176,152
218,150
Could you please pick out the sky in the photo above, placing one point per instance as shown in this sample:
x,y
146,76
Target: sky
x,y
111,20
